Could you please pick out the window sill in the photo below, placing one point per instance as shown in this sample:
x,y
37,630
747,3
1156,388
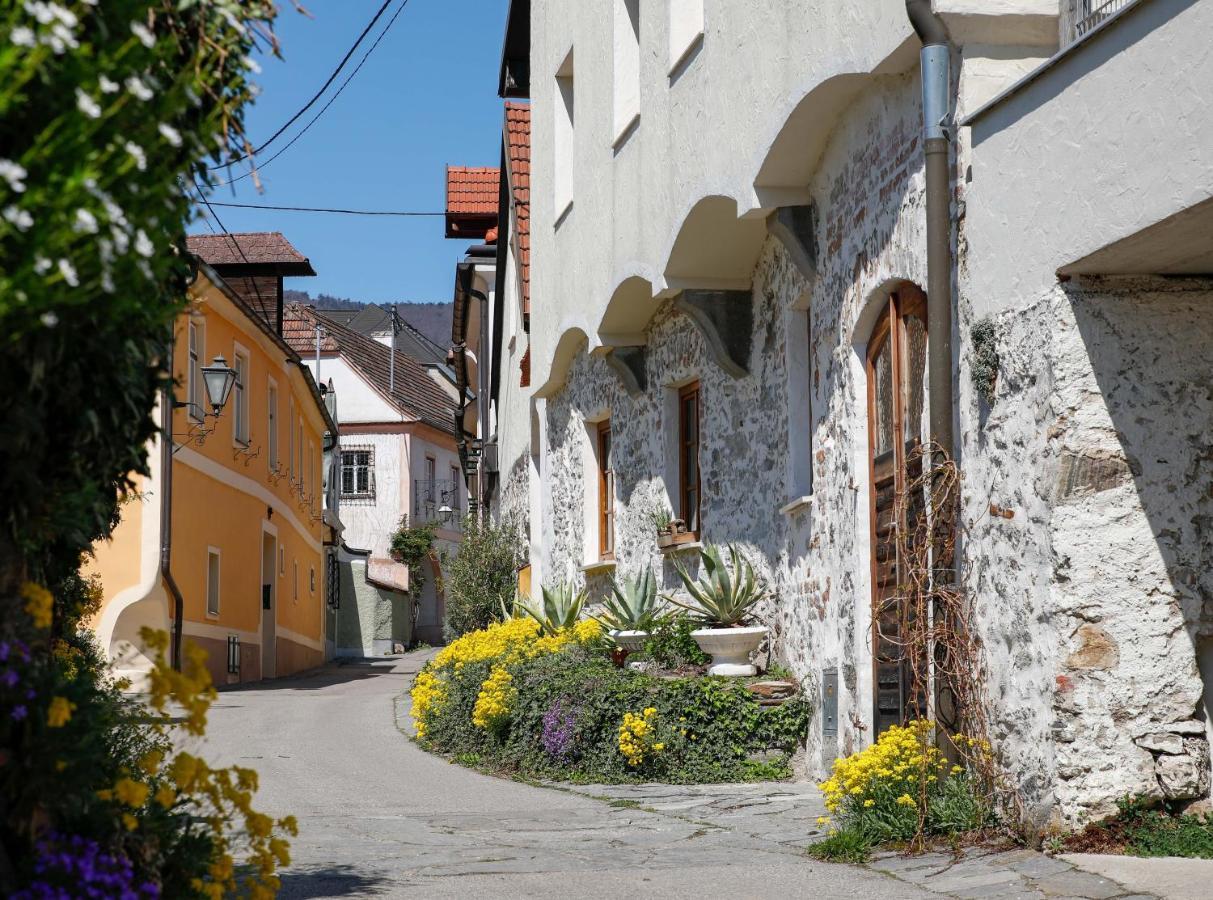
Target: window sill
x,y
796,504
683,60
563,214
598,565
213,616
680,548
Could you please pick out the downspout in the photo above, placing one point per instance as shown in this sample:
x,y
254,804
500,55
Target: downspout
x,y
934,61
166,505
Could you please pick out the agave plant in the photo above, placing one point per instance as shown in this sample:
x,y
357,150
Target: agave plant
x,y
725,592
561,608
633,605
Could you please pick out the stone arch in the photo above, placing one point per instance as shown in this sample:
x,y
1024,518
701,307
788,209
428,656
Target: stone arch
x,y
119,626
571,339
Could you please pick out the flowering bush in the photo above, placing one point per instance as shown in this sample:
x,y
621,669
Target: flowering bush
x,y
903,785
554,706
637,736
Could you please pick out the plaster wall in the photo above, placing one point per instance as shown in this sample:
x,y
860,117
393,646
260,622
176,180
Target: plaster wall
x,y
369,522
359,401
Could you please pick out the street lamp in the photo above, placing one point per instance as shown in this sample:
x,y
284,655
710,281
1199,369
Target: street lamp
x,y
218,379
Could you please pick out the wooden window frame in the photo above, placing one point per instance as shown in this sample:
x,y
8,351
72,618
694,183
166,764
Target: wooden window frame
x,y
194,387
685,486
241,428
606,490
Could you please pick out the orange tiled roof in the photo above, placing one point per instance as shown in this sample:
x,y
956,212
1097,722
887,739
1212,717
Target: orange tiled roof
x,y
518,163
299,331
249,248
471,200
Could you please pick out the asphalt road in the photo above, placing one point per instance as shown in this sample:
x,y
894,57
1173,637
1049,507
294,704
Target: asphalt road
x,y
380,817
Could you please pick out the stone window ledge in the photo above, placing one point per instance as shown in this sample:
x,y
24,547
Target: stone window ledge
x,y
796,504
597,566
681,548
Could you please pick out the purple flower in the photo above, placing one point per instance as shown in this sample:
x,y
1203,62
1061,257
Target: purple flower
x,y
19,712
77,867
10,678
4,647
559,731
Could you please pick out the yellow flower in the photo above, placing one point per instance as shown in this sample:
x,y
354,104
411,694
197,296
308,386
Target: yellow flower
x,y
494,700
39,604
130,821
130,792
823,820
165,796
150,762
906,800
60,712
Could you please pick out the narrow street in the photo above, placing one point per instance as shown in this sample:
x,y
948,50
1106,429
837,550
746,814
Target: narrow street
x,y
380,817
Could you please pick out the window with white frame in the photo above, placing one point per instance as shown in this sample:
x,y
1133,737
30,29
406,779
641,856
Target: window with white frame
x,y
240,424
299,450
311,473
295,596
562,161
358,473
686,30
290,438
626,41
194,387
212,582
272,423
311,579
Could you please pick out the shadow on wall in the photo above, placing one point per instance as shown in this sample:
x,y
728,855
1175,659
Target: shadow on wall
x,y
1133,524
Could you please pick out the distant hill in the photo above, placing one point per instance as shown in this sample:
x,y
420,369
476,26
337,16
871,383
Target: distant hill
x,y
431,319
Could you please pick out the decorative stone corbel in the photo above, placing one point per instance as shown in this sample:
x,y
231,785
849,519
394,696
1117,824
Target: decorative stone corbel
x,y
726,321
628,363
795,228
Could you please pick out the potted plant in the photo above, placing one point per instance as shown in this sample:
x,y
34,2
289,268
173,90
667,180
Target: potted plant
x,y
722,599
560,609
631,610
670,531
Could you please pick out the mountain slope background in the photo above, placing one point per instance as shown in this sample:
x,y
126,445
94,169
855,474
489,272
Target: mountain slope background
x,y
431,319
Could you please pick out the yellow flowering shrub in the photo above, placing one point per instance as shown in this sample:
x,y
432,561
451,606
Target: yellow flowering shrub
x,y
903,785
637,736
503,644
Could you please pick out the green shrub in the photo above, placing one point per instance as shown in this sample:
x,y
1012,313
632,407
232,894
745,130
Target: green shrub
x,y
1160,832
568,707
847,846
479,574
671,645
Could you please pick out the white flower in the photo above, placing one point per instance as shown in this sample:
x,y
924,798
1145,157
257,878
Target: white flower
x,y
19,218
107,282
68,271
14,174
141,31
143,244
42,265
171,134
108,86
105,249
137,152
251,65
49,319
40,11
87,104
85,223
122,241
135,85
62,38
22,36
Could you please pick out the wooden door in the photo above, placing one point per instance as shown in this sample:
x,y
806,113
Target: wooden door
x,y
896,370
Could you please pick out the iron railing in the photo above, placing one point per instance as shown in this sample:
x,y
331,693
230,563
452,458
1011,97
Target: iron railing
x,y
437,501
1079,17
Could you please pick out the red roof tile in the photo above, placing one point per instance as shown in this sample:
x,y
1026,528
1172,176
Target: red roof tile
x,y
518,173
471,200
251,248
416,393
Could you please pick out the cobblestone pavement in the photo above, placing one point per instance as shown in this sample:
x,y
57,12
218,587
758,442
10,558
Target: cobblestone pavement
x,y
381,818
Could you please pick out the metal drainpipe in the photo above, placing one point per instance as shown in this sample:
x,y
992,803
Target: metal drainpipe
x,y
166,506
934,61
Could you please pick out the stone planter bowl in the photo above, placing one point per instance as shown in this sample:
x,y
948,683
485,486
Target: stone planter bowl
x,y
631,641
730,648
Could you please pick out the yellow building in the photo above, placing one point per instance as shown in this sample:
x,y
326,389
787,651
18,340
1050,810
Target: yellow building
x,y
242,567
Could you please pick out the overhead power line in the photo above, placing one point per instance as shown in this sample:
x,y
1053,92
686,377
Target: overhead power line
x,y
324,209
323,109
324,87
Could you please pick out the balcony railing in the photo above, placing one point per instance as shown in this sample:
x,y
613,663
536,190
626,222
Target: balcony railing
x,y
437,501
1079,17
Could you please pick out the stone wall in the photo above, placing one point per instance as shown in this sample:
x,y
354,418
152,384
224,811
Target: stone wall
x,y
1095,591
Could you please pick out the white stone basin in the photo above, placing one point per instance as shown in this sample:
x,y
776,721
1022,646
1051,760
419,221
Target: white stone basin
x,y
730,648
631,641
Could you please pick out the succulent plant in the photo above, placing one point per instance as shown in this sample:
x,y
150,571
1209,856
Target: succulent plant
x,y
561,608
633,604
661,518
725,593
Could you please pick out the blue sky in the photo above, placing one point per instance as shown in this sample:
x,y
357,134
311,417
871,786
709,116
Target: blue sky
x,y
426,97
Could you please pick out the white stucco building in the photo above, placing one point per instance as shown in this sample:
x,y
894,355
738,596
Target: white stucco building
x,y
397,459
728,319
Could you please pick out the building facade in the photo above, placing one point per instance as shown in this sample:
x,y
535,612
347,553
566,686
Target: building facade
x,y
728,324
226,543
397,461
